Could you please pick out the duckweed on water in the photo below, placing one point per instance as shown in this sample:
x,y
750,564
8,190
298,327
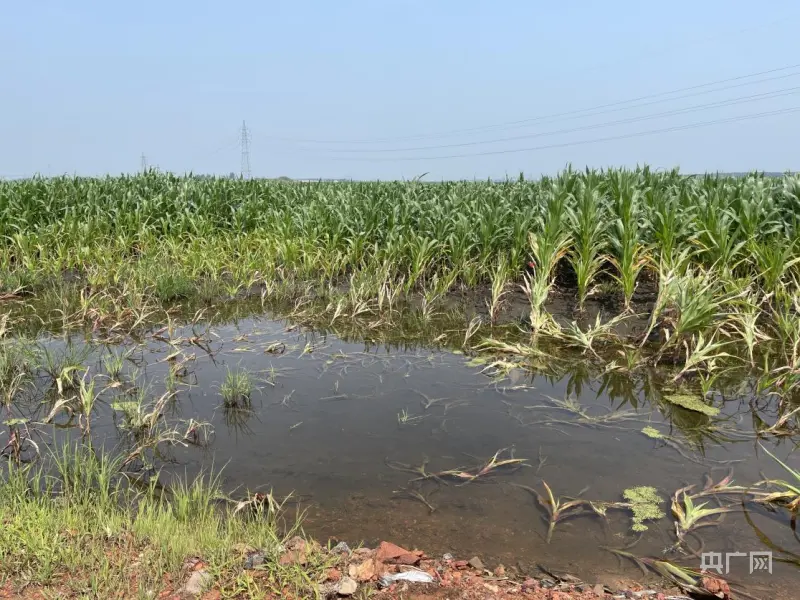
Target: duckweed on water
x,y
645,503
692,403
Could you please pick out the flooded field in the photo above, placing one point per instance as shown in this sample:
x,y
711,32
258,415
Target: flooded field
x,y
407,443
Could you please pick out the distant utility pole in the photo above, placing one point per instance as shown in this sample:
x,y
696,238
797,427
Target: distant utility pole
x,y
144,163
245,172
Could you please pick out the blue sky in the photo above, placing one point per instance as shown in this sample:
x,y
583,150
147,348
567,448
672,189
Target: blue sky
x,y
87,87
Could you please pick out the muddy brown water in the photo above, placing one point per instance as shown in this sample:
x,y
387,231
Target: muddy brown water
x,y
329,417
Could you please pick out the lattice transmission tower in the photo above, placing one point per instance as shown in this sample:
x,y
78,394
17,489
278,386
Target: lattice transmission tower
x,y
245,135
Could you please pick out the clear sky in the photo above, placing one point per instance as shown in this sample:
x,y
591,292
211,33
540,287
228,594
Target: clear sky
x,y
87,87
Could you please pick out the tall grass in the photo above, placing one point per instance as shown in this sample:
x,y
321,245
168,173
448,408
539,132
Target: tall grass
x,y
75,525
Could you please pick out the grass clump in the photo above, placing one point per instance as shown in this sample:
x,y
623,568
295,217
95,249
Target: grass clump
x,y
170,287
237,388
645,503
75,527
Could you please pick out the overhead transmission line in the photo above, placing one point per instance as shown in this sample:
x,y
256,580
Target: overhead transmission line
x,y
577,113
579,142
717,104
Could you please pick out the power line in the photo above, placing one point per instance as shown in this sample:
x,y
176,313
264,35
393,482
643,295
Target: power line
x,y
581,142
716,104
245,171
577,113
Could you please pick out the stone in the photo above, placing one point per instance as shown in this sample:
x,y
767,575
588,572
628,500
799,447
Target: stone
x,y
293,557
476,563
333,574
388,551
409,558
715,585
447,556
197,583
243,549
460,564
347,587
341,548
254,560
492,588
296,543
500,571
599,590
366,570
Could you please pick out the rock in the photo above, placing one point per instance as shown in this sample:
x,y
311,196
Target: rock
x,y
296,543
333,575
195,563
366,570
363,551
197,583
341,548
530,583
500,571
476,563
409,558
715,585
346,587
460,564
447,556
293,557
254,560
243,549
388,551
492,588
599,590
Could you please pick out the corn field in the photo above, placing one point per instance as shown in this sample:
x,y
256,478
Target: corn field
x,y
624,224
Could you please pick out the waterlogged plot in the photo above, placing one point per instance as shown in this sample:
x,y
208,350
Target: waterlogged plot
x,y
452,447
571,366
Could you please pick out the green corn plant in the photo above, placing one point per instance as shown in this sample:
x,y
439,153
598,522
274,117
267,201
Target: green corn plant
x,y
628,254
500,277
690,516
588,227
548,245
